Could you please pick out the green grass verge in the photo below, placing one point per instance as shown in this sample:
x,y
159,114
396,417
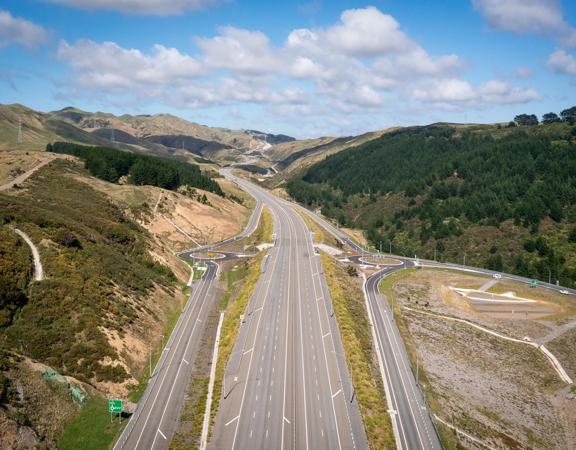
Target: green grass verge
x,y
241,281
349,307
247,277
91,429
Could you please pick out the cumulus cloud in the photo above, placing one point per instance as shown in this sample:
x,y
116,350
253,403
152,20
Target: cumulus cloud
x,y
363,63
16,30
459,93
366,32
239,50
229,90
144,7
562,62
111,67
543,17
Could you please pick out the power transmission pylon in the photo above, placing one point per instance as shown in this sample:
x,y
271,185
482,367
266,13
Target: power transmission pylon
x,y
20,137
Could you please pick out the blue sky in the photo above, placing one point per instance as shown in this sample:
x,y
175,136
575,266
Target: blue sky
x,y
302,68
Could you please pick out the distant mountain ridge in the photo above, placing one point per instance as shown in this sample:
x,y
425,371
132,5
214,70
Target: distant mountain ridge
x,y
161,134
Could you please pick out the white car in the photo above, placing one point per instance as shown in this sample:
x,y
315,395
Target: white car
x,y
497,276
564,291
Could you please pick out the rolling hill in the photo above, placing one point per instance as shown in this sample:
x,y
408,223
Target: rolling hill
x,y
495,196
160,134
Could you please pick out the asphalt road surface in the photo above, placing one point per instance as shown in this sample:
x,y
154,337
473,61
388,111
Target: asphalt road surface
x,y
286,384
412,424
156,417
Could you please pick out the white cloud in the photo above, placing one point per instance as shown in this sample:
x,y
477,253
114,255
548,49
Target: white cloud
x,y
111,67
239,50
20,31
362,64
459,93
418,62
543,17
562,62
366,32
143,7
229,90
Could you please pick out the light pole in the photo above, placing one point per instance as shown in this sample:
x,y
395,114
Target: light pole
x,y
549,275
417,368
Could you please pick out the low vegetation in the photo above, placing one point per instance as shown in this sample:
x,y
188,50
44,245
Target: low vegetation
x,y
93,428
503,198
503,393
101,284
350,310
111,165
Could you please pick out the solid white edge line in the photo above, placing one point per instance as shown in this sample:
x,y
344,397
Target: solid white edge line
x,y
206,423
381,365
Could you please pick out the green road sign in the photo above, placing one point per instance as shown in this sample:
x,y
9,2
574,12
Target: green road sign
x,y
534,283
115,406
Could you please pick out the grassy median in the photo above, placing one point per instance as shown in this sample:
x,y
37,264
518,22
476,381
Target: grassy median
x,y
349,306
240,284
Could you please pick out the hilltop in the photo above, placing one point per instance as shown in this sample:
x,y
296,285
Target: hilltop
x,y
160,134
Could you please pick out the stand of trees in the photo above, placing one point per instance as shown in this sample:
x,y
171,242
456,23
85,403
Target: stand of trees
x,y
444,181
110,164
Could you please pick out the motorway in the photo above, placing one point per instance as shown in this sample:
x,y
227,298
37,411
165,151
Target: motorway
x,y
412,424
156,417
413,427
286,384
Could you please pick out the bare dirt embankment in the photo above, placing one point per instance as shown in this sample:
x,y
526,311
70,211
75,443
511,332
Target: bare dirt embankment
x,y
177,221
506,394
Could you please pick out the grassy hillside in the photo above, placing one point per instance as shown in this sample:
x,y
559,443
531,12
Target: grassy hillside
x,y
103,301
292,158
499,197
160,134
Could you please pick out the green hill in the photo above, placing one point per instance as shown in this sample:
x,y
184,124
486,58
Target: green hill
x,y
502,197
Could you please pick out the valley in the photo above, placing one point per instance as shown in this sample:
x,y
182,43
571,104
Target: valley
x,y
126,240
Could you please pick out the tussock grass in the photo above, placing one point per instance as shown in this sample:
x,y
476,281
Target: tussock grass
x,y
348,301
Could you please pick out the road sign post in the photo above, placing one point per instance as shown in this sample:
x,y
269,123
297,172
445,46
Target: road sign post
x,y
115,406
